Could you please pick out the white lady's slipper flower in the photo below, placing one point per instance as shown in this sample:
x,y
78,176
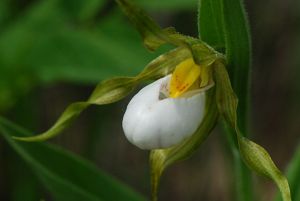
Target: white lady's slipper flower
x,y
167,111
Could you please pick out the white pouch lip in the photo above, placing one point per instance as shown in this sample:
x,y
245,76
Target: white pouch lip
x,y
153,122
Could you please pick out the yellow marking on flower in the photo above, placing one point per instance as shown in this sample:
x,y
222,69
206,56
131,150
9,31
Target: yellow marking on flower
x,y
184,76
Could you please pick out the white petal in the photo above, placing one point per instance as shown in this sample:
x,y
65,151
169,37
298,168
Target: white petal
x,y
151,123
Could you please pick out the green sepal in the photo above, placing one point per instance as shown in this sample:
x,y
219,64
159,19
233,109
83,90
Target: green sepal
x,y
112,90
226,99
160,159
154,36
255,156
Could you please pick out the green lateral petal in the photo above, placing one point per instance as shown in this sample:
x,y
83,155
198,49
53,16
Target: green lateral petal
x,y
160,159
68,116
255,156
259,160
112,90
226,99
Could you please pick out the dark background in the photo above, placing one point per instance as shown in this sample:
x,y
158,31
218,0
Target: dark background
x,y
53,53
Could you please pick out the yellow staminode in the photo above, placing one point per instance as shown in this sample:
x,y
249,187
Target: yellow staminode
x,y
184,76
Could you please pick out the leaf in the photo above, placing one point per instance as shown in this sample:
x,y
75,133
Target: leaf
x,y
22,186
210,23
223,24
44,45
160,159
83,9
255,156
4,11
65,175
173,5
238,54
113,90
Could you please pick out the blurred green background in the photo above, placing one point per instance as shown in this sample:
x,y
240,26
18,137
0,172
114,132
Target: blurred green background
x,y
53,53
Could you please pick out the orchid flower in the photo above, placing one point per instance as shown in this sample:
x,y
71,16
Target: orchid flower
x,y
169,110
173,115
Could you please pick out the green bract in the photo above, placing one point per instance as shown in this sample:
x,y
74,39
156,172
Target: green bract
x,y
221,99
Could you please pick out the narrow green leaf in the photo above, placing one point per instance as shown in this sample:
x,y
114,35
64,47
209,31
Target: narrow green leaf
x,y
66,176
173,5
160,159
81,9
223,24
238,53
210,23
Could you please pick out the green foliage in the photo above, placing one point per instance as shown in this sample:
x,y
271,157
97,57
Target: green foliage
x,y
228,19
70,41
54,41
238,53
223,25
112,90
210,23
168,4
66,176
